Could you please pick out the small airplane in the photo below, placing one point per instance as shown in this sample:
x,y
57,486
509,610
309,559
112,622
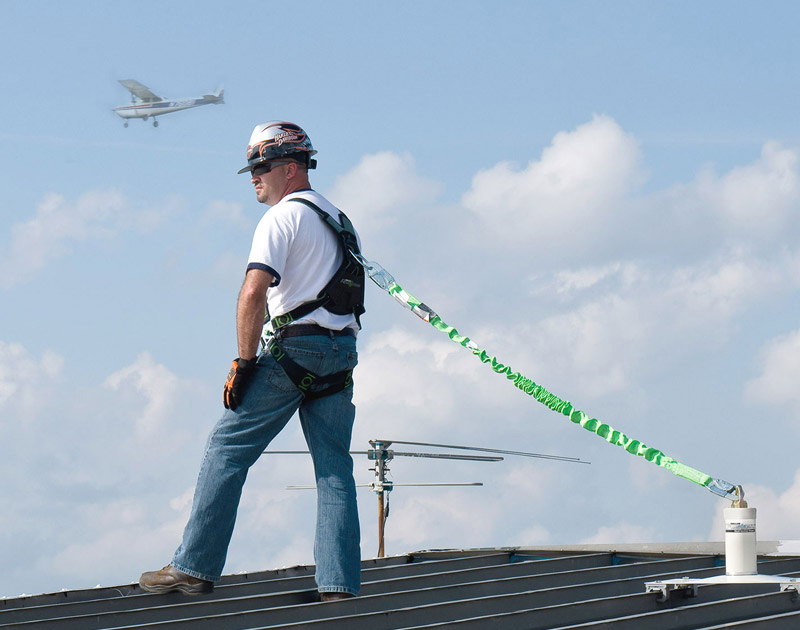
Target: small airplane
x,y
146,105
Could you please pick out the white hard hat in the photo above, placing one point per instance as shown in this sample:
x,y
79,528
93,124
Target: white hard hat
x,y
276,139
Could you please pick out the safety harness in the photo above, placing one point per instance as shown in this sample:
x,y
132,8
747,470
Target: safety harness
x,y
303,379
342,295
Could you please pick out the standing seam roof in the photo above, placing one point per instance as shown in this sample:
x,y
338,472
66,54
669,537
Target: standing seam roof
x,y
465,589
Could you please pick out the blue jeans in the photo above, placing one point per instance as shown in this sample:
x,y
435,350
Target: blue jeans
x,y
238,440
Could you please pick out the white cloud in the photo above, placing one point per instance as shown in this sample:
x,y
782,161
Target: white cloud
x,y
382,189
720,288
438,517
226,213
533,536
59,224
569,281
183,502
145,218
757,199
599,342
620,315
756,206
577,203
72,502
623,533
138,533
425,374
564,199
777,383
56,226
275,526
22,379
161,389
226,271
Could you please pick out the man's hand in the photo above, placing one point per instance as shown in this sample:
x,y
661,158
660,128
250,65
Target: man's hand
x,y
238,377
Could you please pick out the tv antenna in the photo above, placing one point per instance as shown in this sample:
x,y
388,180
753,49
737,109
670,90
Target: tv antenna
x,y
381,454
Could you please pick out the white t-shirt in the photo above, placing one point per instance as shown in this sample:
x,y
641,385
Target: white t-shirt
x,y
292,243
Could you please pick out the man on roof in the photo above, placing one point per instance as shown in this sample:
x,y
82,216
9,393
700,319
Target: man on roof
x,y
300,360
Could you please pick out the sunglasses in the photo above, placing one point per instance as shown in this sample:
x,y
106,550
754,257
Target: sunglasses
x,y
266,167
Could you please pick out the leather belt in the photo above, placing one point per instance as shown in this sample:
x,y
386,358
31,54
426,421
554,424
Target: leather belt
x,y
303,330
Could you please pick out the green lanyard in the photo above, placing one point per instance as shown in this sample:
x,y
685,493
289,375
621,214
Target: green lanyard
x,y
385,281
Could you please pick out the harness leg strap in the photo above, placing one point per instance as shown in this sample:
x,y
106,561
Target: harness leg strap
x,y
304,379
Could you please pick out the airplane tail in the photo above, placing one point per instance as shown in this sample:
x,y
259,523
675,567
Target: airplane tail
x,y
217,97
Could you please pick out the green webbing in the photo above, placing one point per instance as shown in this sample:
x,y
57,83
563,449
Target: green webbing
x,y
384,280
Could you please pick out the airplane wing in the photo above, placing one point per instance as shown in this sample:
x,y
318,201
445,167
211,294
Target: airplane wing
x,y
140,91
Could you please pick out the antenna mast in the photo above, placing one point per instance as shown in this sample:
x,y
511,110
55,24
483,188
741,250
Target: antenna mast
x,y
382,455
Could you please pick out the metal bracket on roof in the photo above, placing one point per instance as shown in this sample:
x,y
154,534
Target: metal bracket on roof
x,y
665,587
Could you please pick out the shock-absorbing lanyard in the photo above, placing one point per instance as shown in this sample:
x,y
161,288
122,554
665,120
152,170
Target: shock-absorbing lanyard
x,y
386,281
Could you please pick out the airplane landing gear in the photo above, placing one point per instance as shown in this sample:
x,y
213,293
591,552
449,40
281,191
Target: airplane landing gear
x,y
126,124
155,123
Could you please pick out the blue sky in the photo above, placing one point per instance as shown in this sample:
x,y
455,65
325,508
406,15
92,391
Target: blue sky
x,y
604,195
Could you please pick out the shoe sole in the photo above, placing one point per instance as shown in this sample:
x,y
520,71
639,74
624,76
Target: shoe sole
x,y
336,597
186,589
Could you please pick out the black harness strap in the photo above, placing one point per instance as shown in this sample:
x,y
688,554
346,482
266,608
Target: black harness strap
x,y
303,379
349,277
301,311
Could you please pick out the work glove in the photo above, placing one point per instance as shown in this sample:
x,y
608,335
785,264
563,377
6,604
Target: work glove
x,y
238,377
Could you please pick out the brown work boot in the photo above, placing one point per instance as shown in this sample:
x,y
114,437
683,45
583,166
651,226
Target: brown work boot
x,y
170,579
